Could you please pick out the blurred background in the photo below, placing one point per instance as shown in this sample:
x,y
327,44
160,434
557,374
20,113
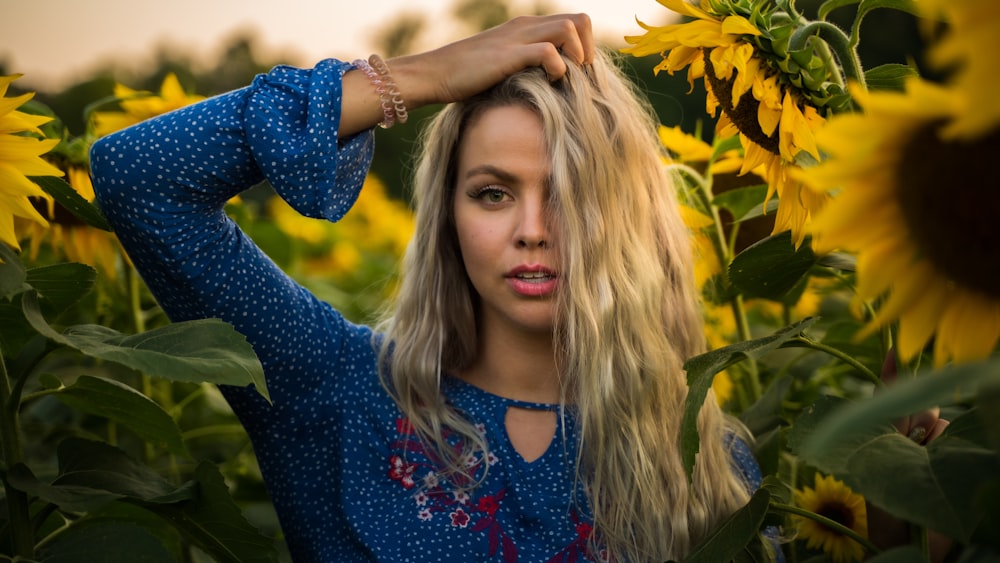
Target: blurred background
x,y
57,41
73,53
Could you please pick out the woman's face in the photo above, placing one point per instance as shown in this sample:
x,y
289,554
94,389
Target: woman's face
x,y
502,221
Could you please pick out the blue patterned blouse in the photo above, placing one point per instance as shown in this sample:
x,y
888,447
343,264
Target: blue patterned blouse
x,y
348,478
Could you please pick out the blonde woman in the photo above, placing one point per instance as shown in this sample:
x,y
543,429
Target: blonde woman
x,y
522,400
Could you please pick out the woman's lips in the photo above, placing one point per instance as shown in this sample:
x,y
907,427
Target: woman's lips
x,y
532,280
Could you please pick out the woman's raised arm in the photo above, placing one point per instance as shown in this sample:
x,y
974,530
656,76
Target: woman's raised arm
x,y
463,68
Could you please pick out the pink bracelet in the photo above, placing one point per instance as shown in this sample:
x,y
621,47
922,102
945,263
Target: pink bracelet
x,y
393,107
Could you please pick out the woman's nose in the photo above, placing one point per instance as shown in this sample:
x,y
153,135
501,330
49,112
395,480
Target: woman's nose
x,y
533,228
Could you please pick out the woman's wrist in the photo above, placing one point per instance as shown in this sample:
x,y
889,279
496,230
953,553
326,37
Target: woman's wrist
x,y
391,100
415,83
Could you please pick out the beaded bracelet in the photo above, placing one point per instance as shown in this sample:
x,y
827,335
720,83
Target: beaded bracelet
x,y
393,107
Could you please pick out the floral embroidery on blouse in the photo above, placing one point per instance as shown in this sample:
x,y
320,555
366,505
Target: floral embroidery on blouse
x,y
437,496
579,549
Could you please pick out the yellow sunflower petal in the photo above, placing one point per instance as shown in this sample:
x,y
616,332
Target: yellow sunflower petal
x,y
920,321
738,25
768,93
794,132
694,219
969,328
685,9
688,148
754,155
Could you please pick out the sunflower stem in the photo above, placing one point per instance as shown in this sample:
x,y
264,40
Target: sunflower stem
x,y
724,254
836,39
832,524
840,355
19,516
923,539
139,325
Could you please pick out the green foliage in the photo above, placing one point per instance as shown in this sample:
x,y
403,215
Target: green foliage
x,y
806,380
737,538
66,196
57,513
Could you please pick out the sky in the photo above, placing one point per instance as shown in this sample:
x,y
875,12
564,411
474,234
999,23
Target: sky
x,y
55,42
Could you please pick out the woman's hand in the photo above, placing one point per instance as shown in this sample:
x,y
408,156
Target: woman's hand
x,y
469,66
885,530
921,427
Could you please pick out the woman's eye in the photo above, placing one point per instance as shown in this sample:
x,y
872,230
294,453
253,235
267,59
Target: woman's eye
x,y
490,195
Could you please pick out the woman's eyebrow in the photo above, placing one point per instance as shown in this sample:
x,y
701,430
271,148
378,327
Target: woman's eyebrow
x,y
490,170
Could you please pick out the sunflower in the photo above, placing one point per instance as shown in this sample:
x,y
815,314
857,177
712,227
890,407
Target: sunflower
x,y
933,251
138,105
21,152
773,98
832,499
970,46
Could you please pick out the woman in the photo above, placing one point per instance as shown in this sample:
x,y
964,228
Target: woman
x,y
522,402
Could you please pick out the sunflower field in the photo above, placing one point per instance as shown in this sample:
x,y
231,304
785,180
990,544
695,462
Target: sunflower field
x,y
854,335
114,437
857,338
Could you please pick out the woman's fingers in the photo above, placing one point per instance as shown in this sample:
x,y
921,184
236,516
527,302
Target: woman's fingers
x,y
572,38
922,423
921,427
467,67
571,34
938,428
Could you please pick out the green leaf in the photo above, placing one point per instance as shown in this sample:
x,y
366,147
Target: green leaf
x,y
126,406
61,285
838,261
14,330
67,197
943,387
771,267
115,541
214,523
833,457
780,491
941,482
207,350
93,474
988,410
741,201
759,211
889,76
12,273
904,554
701,371
988,531
766,413
723,146
937,486
934,486
734,533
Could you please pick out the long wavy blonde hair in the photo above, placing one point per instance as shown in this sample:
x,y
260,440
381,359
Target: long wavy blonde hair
x,y
627,314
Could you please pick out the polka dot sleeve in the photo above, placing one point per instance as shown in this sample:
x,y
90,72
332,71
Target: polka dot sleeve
x,y
291,128
163,183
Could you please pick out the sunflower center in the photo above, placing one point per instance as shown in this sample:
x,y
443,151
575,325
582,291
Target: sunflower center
x,y
950,201
744,114
838,513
